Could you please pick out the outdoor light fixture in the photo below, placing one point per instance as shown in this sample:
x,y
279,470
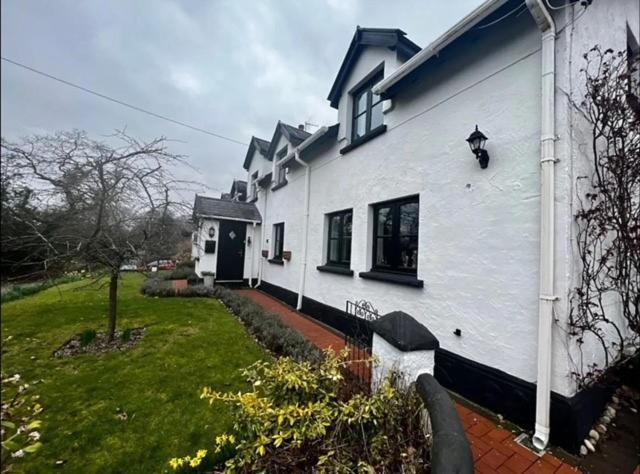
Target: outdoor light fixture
x,y
476,142
248,241
212,232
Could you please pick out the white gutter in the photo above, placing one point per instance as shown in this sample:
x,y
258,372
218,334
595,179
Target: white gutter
x,y
453,33
547,176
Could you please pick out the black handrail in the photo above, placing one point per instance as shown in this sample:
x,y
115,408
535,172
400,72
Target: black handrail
x,y
450,452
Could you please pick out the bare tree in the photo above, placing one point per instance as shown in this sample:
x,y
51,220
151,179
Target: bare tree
x,y
608,219
93,204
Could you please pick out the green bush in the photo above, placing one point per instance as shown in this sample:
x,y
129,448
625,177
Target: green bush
x,y
87,337
300,417
267,328
126,335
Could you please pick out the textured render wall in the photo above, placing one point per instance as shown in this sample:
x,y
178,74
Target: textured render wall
x,y
252,251
603,23
208,261
478,228
258,163
285,205
409,364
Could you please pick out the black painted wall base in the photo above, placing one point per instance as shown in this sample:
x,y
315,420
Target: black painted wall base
x,y
513,398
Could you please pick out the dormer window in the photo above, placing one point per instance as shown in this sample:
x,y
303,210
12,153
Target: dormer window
x,y
281,170
254,187
367,108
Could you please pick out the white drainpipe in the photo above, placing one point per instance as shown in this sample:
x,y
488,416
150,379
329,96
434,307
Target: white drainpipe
x,y
253,243
262,226
547,162
305,229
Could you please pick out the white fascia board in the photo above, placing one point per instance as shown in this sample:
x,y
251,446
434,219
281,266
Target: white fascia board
x,y
308,141
453,33
220,218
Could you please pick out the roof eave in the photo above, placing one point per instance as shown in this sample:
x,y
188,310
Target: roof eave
x,y
448,37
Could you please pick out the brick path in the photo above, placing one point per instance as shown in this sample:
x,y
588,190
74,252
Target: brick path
x,y
494,448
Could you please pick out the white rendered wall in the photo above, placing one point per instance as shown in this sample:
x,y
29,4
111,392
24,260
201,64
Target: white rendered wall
x,y
207,261
284,205
479,229
478,244
604,24
408,364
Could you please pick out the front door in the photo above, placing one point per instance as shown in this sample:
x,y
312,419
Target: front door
x,y
231,251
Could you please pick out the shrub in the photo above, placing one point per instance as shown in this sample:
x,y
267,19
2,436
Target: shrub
x,y
126,335
87,337
184,271
268,329
296,418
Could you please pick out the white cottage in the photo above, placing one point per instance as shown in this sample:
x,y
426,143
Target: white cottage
x,y
389,204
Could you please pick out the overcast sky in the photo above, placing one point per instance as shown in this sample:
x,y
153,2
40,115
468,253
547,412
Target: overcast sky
x,y
232,67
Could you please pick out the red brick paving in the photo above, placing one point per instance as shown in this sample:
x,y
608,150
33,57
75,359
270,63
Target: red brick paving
x,y
493,448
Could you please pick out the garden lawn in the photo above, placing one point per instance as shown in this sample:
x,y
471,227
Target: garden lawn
x,y
189,343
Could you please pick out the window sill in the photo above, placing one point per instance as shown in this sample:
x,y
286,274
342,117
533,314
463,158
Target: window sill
x,y
335,269
277,261
407,280
279,185
363,139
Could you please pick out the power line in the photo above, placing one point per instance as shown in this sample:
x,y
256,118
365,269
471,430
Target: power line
x,y
120,102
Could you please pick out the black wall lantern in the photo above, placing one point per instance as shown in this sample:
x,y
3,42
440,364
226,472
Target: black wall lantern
x,y
476,142
212,232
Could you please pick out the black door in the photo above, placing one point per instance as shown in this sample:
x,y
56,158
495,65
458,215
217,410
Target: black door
x,y
231,251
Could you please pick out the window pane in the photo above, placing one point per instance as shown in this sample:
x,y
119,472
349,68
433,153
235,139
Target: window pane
x,y
360,125
346,250
383,251
347,225
376,115
334,225
361,102
408,253
409,218
333,250
385,221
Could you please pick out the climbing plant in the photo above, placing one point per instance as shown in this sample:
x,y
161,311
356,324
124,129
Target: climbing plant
x,y
606,299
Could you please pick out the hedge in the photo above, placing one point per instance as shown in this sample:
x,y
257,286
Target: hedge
x,y
267,328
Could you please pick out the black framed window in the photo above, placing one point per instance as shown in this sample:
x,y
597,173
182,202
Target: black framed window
x,y
281,174
395,235
367,109
278,240
281,171
339,238
254,186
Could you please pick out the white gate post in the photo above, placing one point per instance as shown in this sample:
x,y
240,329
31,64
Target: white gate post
x,y
403,345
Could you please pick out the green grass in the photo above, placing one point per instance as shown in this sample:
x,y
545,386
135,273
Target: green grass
x,y
189,343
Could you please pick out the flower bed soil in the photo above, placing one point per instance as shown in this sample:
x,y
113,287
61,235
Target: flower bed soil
x,y
100,344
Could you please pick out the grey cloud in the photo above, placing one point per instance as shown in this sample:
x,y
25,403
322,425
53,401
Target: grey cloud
x,y
232,67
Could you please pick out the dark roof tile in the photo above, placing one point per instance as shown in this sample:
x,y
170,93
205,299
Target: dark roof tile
x,y
213,207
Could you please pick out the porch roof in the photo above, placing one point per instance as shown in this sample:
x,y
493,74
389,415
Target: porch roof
x,y
224,209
